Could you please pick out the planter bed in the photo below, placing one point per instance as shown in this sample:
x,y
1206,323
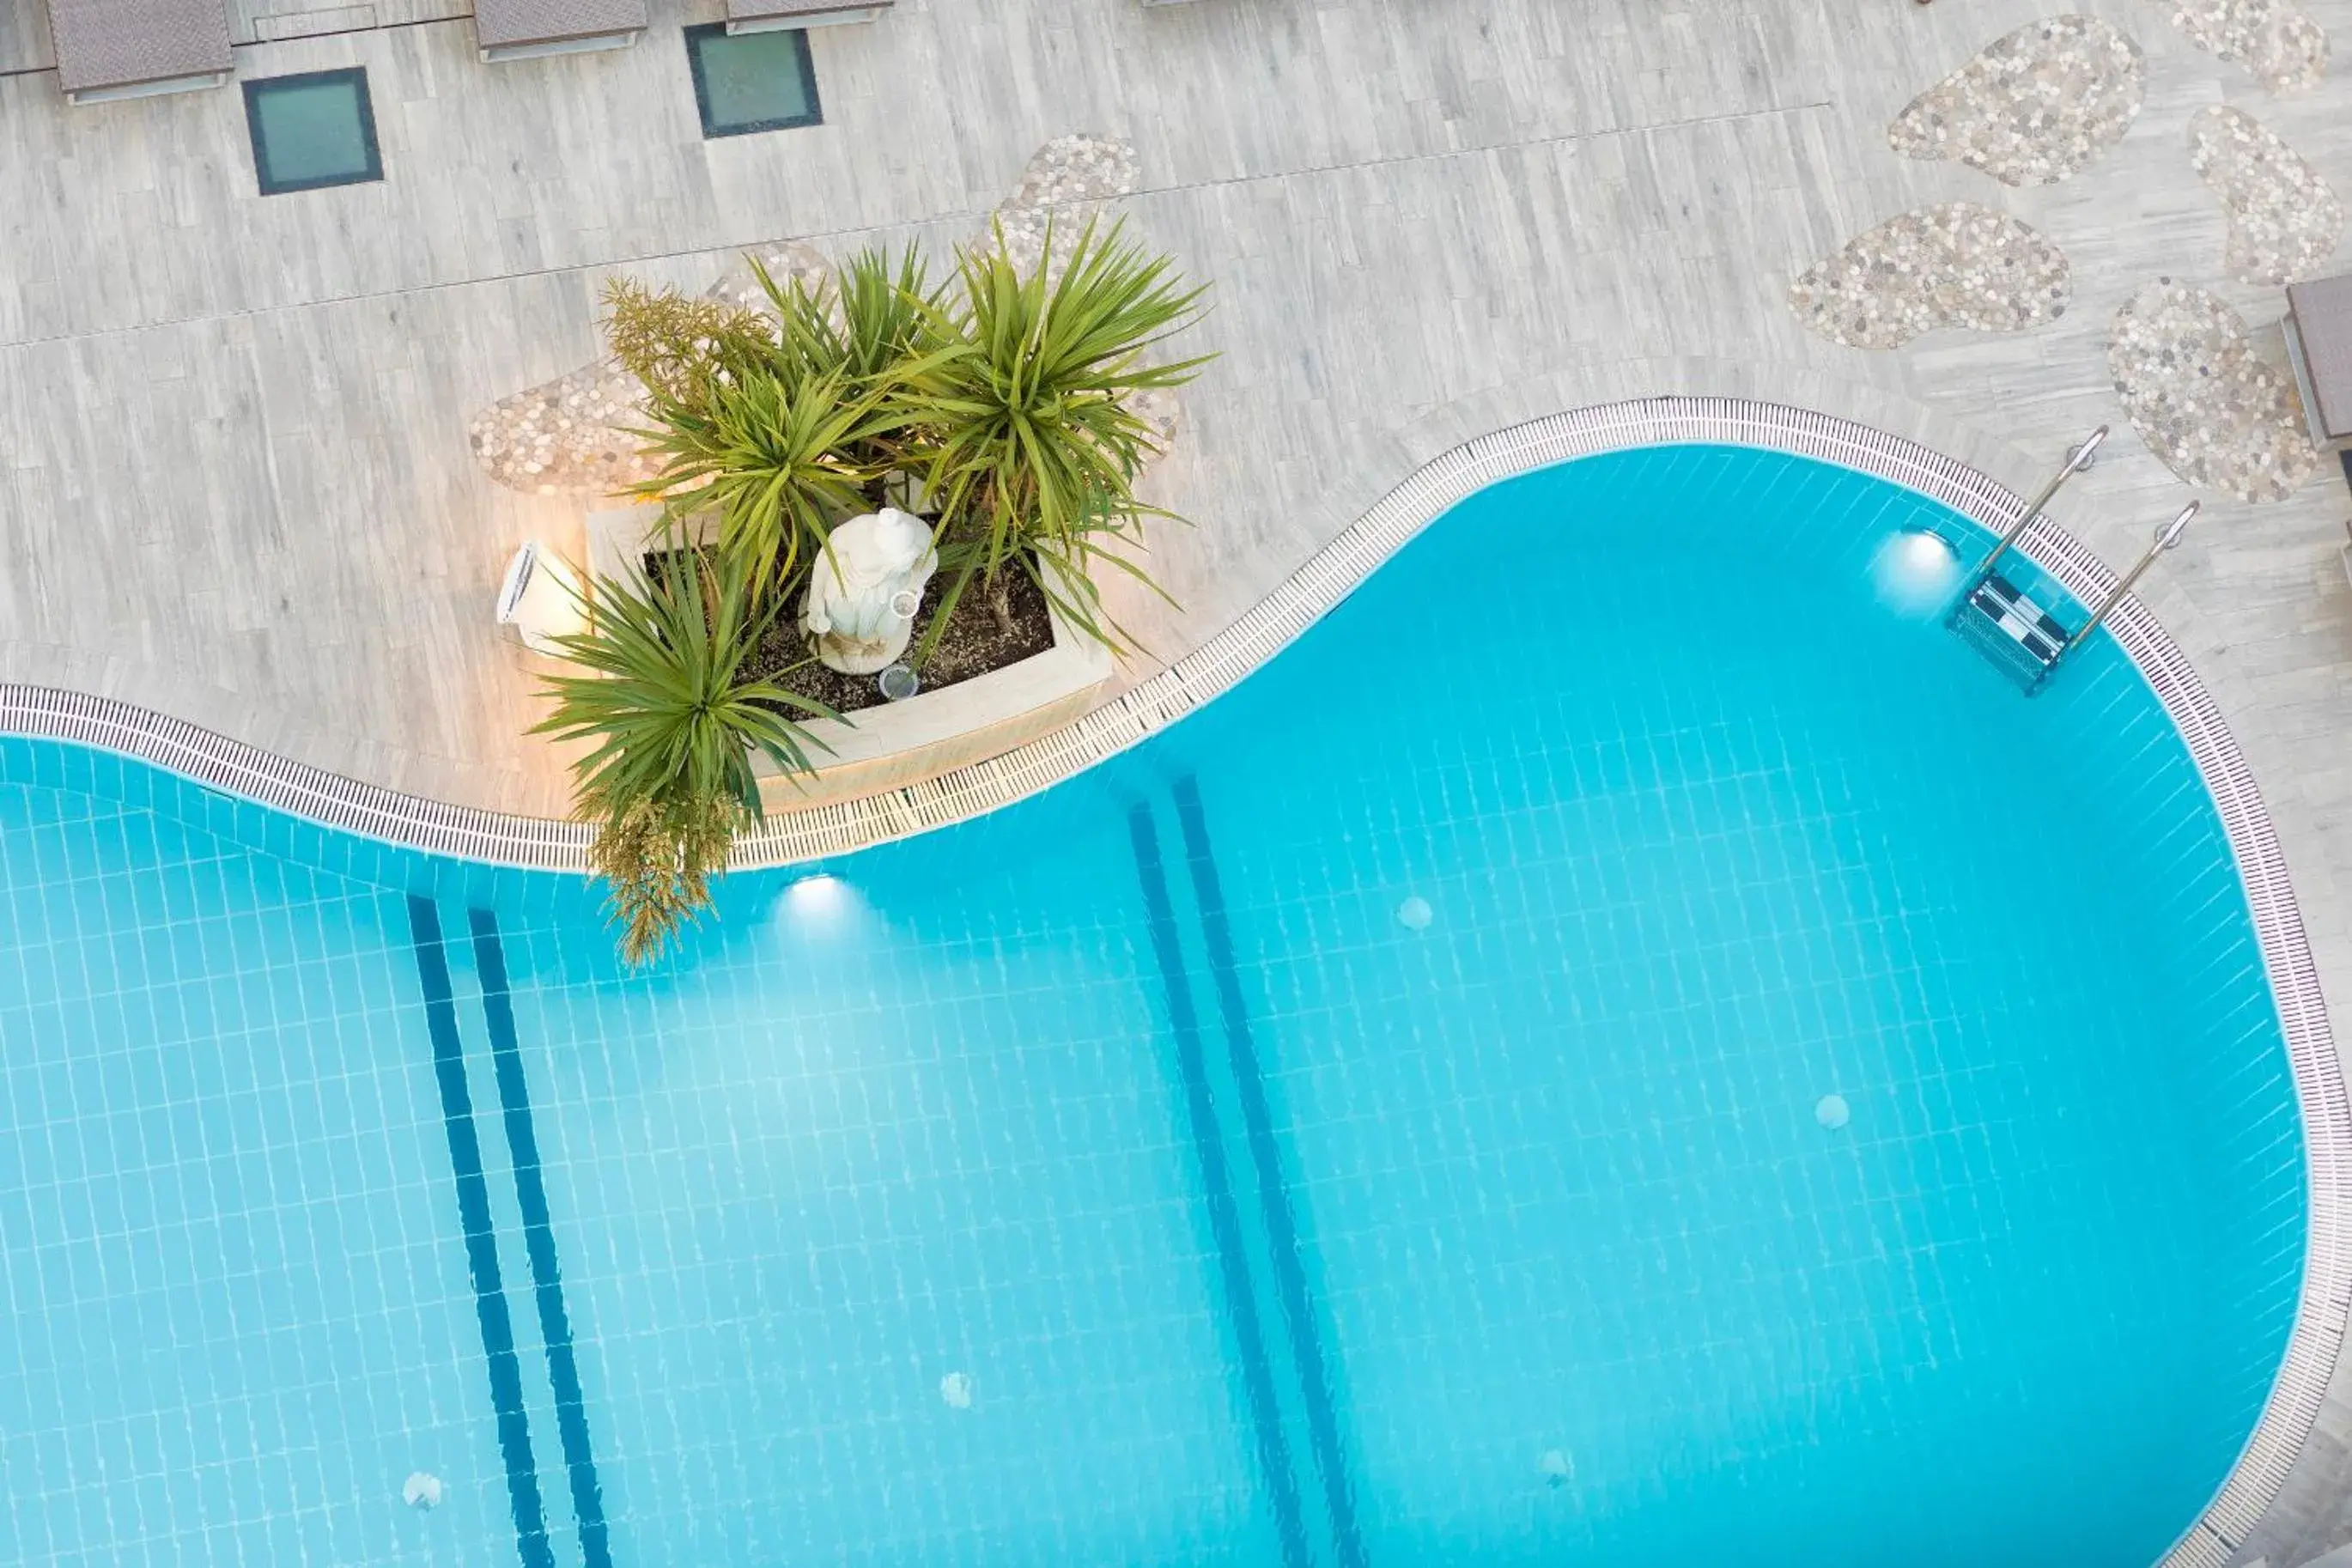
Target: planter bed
x,y
990,685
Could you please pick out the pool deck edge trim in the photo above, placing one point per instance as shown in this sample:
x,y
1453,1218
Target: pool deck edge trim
x,y
537,843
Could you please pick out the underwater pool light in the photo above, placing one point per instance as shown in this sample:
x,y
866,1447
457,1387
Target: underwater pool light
x,y
1914,572
820,893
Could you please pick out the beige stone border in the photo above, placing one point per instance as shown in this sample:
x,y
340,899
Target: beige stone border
x,y
536,843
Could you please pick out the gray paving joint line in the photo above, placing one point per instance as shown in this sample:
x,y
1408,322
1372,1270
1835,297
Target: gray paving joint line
x,y
1484,149
821,237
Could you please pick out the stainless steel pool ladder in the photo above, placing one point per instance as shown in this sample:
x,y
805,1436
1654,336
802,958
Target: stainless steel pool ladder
x,y
2022,638
2080,456
1994,616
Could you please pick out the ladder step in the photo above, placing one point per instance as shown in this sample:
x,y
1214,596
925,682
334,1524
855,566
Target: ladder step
x,y
2017,636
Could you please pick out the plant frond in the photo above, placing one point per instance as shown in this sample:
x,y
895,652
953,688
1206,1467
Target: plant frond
x,y
677,344
671,719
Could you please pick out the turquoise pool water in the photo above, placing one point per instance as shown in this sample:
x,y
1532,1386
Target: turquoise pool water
x,y
1374,1122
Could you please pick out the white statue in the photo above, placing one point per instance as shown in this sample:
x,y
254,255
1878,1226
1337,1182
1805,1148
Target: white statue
x,y
863,594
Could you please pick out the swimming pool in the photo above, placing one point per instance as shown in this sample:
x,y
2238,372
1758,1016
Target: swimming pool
x,y
1382,1119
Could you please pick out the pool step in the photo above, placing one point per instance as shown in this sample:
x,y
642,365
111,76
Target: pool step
x,y
2021,639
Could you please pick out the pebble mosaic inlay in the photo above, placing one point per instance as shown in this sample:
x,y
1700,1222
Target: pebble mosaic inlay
x,y
572,436
2284,220
1068,181
2033,107
567,436
1953,265
2211,408
2285,49
788,264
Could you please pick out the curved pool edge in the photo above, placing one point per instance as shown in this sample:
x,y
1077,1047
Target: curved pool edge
x,y
524,842
532,843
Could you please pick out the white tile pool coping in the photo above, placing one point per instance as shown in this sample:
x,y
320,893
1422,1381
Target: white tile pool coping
x,y
542,844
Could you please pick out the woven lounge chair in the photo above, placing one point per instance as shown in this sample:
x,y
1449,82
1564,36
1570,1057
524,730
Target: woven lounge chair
x,y
2319,344
521,29
765,15
132,48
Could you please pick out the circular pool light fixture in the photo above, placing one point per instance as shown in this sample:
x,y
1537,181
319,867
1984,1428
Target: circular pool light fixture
x,y
820,896
1414,913
820,911
1915,572
955,1390
1832,1112
899,681
422,1491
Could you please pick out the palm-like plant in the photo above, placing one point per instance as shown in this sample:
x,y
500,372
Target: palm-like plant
x,y
1007,398
674,717
774,451
871,324
1030,408
875,321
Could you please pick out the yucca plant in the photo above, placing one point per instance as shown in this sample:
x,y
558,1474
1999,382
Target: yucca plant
x,y
1027,405
775,452
673,717
873,320
1006,396
781,423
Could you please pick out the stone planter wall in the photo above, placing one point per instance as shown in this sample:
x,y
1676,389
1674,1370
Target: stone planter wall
x,y
908,742
935,732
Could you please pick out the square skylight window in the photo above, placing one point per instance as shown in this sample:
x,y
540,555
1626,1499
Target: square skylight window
x,y
311,130
752,81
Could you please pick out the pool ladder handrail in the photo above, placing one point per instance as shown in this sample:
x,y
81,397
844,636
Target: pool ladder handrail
x,y
2166,539
2005,600
2078,458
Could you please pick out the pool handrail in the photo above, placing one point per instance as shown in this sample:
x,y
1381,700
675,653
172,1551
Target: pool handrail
x,y
2078,458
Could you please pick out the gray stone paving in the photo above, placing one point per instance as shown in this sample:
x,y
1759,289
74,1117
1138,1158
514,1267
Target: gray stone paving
x,y
234,471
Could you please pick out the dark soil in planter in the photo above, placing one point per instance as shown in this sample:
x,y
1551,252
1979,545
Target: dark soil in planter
x,y
977,640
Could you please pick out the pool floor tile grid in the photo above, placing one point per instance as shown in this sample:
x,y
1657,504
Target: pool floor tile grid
x,y
857,1120
232,1325
1474,839
884,1229
1244,1315
1302,1315
1278,1335
531,1362
502,1360
565,1388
